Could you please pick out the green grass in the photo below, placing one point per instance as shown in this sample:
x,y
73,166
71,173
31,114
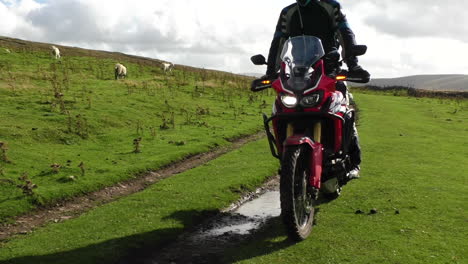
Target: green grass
x,y
154,216
414,160
101,117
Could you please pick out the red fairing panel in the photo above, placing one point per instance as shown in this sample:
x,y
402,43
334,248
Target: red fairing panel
x,y
277,86
338,134
298,140
316,165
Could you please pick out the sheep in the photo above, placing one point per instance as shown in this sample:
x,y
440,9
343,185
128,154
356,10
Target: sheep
x,y
120,71
7,51
55,52
167,66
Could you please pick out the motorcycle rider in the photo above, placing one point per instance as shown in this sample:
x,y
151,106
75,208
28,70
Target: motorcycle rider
x,y
323,19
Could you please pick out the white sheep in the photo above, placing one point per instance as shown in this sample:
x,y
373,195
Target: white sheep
x,y
55,52
7,51
120,71
167,66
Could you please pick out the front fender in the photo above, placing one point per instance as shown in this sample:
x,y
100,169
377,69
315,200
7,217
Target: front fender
x,y
295,140
315,157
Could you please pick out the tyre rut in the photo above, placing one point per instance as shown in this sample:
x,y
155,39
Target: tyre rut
x,y
76,206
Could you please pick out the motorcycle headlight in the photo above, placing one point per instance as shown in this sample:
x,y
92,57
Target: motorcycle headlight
x,y
289,101
311,100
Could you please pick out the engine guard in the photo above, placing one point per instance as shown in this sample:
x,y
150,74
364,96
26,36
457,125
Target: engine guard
x,y
271,138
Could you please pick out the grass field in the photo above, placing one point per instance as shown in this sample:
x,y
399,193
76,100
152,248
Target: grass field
x,y
69,128
72,112
151,217
414,173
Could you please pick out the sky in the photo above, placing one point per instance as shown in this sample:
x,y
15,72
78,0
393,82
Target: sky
x,y
403,37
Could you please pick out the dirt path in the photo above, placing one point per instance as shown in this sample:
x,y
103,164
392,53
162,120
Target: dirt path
x,y
76,206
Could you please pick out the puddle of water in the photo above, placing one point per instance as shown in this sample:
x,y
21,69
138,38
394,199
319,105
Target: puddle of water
x,y
265,206
240,229
221,232
245,219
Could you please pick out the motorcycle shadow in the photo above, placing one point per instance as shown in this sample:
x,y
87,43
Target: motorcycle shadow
x,y
272,237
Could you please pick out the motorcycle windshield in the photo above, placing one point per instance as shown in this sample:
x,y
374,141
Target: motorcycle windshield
x,y
299,54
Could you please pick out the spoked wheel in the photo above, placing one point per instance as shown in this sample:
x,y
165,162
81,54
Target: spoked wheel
x,y
296,200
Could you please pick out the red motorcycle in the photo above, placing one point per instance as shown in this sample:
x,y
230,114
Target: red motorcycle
x,y
312,128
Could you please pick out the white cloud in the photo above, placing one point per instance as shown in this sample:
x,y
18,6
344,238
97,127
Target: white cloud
x,y
404,37
419,18
415,45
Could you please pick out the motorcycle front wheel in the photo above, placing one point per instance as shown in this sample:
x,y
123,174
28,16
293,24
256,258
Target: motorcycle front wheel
x,y
297,208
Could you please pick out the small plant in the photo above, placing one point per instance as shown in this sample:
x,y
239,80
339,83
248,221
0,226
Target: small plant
x,y
139,127
55,167
164,125
69,122
58,100
172,120
187,116
12,82
167,121
82,168
152,132
26,185
4,148
136,143
90,102
202,111
81,126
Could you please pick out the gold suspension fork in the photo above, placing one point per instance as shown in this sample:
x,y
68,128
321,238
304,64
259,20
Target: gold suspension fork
x,y
289,130
317,132
317,136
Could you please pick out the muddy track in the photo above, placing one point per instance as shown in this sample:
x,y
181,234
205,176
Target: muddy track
x,y
74,207
207,242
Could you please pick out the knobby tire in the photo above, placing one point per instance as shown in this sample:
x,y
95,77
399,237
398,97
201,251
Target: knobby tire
x,y
297,209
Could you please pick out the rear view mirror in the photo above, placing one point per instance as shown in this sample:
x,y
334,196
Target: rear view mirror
x,y
359,50
258,59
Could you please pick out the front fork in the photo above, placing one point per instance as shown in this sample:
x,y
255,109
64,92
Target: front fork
x,y
316,150
312,141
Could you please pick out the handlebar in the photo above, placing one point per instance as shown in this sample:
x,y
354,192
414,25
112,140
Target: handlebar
x,y
263,82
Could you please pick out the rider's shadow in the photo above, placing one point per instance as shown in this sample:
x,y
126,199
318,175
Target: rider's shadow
x,y
270,238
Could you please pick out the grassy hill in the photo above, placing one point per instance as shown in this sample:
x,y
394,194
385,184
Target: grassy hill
x,y
68,128
447,82
413,172
413,175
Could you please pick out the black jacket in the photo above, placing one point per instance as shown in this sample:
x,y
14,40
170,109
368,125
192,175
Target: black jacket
x,y
323,19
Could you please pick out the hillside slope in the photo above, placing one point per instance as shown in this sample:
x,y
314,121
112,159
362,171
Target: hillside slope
x,y
413,176
68,128
449,82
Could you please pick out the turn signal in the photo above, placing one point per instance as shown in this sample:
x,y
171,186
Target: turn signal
x,y
340,78
266,82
